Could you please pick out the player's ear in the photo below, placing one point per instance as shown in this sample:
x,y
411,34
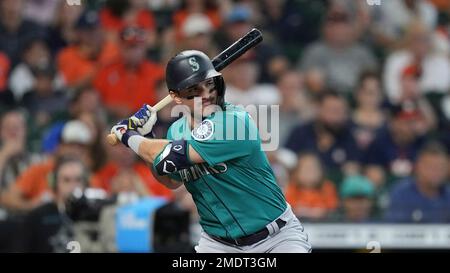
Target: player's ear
x,y
175,97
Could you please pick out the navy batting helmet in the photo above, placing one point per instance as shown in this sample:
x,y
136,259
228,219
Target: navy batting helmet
x,y
191,67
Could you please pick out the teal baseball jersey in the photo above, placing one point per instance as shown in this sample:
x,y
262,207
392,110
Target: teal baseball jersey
x,y
235,190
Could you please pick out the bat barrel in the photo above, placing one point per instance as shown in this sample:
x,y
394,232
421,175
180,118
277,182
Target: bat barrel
x,y
238,48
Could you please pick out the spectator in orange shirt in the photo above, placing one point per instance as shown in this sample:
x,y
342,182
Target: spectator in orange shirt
x,y
116,15
32,187
80,62
125,174
131,81
309,193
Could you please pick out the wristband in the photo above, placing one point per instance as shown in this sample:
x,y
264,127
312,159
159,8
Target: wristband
x,y
126,136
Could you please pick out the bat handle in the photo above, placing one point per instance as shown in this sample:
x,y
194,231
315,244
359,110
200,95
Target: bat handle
x,y
113,140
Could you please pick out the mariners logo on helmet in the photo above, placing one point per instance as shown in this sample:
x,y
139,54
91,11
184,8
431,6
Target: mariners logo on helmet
x,y
204,131
194,64
191,67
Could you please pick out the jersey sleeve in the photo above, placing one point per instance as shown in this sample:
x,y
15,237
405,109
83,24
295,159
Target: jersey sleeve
x,y
225,137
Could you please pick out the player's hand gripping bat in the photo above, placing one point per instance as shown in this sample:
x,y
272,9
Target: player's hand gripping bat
x,y
237,49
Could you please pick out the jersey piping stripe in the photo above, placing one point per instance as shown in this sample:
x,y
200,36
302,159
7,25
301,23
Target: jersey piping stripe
x,y
234,218
212,213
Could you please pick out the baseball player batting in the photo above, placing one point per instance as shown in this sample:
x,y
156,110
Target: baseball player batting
x,y
217,156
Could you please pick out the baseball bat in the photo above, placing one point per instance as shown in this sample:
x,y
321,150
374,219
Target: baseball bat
x,y
231,53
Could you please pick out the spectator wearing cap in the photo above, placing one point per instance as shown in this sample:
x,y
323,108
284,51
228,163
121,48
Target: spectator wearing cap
x,y
357,195
130,81
196,24
417,50
394,149
338,54
424,197
116,15
268,56
15,31
80,62
196,33
32,187
210,8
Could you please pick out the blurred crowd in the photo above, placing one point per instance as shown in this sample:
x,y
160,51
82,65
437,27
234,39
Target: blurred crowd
x,y
363,94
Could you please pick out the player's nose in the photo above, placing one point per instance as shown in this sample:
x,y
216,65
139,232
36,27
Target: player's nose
x,y
204,91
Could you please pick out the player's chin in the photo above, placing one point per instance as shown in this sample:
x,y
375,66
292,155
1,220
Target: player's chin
x,y
209,108
206,103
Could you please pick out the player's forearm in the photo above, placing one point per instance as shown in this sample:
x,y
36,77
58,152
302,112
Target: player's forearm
x,y
165,180
149,149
